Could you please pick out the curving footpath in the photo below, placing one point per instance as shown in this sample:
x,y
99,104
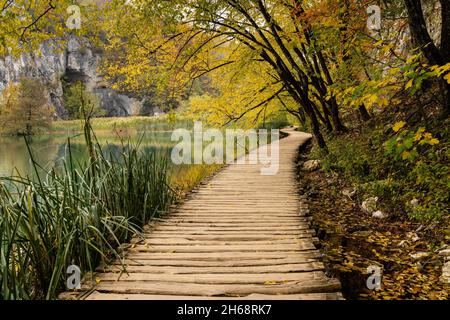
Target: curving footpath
x,y
241,235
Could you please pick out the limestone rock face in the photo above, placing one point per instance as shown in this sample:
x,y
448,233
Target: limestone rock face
x,y
78,61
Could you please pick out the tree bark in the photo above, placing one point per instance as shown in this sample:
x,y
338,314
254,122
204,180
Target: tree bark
x,y
445,30
420,33
338,125
317,134
434,55
365,116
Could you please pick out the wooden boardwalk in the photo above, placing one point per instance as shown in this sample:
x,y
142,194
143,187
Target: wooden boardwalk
x,y
241,235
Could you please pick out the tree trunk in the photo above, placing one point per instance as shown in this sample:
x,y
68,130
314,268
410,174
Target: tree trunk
x,y
338,125
445,88
445,30
420,33
365,116
317,134
434,55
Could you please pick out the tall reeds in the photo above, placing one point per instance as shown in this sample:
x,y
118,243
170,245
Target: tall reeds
x,y
76,214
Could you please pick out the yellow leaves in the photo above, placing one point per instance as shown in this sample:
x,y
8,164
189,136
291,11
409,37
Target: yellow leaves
x,y
433,141
413,58
447,77
405,155
428,136
398,126
394,71
418,135
425,138
440,70
409,84
371,99
387,48
378,43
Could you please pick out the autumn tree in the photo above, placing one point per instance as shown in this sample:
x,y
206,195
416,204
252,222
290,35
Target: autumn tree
x,y
25,108
78,100
203,37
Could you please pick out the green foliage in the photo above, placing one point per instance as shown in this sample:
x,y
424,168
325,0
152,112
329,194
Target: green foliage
x,y
406,144
77,97
412,164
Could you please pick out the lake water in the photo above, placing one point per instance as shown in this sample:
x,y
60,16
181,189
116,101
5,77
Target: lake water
x,y
50,150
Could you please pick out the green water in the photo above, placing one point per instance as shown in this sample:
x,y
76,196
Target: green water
x,y
49,151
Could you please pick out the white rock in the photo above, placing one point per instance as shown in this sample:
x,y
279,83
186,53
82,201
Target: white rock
x,y
311,165
445,278
413,236
379,215
414,202
445,253
369,205
349,193
419,255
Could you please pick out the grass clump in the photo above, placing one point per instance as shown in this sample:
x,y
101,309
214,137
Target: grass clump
x,y
77,214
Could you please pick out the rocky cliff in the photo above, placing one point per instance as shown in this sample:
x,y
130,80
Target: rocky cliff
x,y
77,61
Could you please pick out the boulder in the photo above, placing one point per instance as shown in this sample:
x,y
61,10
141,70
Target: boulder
x,y
445,277
349,193
414,203
420,255
311,165
369,205
379,215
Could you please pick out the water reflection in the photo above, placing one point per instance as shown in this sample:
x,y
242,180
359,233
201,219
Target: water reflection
x,y
49,151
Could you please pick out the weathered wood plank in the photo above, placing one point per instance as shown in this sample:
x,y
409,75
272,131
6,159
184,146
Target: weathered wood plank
x,y
302,245
237,270
215,278
225,256
304,296
215,263
195,289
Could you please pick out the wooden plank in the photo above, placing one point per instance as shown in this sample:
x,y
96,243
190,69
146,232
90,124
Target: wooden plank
x,y
215,278
237,270
230,238
175,241
301,246
230,228
195,289
305,296
226,232
231,263
224,256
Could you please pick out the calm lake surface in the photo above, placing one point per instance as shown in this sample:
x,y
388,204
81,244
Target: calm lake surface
x,y
49,150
